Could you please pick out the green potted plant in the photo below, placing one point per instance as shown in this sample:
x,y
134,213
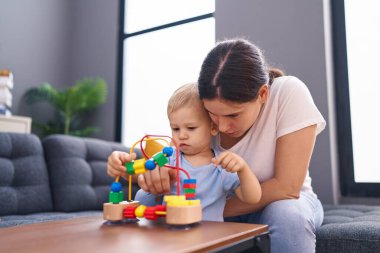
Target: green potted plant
x,y
70,105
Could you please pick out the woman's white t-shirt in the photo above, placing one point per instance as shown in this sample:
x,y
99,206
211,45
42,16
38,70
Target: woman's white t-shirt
x,y
289,108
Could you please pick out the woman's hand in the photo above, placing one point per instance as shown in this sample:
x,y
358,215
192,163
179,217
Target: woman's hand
x,y
157,181
230,162
116,163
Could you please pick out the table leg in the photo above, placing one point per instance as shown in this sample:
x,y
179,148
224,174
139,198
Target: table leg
x,y
258,244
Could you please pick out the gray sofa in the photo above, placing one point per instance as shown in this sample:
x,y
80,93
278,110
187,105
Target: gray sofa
x,y
349,229
58,178
64,177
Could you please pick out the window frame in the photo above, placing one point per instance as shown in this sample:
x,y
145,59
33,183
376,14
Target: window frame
x,y
122,36
348,186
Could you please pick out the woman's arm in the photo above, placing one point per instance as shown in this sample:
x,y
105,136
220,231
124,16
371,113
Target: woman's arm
x,y
293,154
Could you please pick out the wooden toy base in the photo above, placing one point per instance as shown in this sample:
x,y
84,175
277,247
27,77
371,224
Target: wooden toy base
x,y
183,215
114,212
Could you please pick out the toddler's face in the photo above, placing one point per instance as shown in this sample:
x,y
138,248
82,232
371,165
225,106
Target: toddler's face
x,y
191,129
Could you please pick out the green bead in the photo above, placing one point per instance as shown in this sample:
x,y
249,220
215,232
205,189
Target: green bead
x,y
115,197
189,190
130,169
160,159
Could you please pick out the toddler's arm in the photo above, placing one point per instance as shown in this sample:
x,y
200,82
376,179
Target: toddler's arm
x,y
147,198
249,190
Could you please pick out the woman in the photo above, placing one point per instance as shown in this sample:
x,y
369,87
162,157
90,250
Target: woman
x,y
272,122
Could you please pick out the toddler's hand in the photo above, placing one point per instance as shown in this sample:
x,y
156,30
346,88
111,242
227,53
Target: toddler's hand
x,y
116,163
157,181
230,162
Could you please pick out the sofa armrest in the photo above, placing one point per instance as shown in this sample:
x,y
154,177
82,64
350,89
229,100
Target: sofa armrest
x,y
24,181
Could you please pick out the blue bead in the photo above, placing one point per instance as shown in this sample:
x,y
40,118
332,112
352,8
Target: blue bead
x,y
115,187
190,181
150,164
168,151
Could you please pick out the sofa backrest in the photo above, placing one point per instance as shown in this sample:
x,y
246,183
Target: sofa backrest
x,y
78,171
24,182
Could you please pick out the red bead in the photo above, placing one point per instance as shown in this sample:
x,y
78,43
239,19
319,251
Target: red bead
x,y
191,186
190,196
161,208
150,213
129,212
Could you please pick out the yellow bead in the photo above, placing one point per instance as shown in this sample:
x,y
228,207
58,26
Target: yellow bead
x,y
174,200
140,171
140,210
168,198
194,202
139,164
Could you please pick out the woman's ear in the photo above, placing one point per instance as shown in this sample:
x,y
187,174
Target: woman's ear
x,y
263,93
214,129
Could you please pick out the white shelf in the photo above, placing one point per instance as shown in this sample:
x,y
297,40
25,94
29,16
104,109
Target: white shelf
x,y
15,124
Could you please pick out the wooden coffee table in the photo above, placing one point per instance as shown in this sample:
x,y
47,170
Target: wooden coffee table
x,y
94,235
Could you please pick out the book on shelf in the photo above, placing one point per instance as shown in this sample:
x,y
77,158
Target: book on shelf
x,y
5,110
5,97
6,79
6,85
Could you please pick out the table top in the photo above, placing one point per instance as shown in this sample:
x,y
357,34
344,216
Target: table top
x,y
93,234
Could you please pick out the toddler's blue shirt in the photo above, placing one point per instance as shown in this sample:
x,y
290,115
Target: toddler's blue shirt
x,y
214,185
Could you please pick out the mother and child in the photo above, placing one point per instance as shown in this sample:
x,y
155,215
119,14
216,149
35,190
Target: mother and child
x,y
246,132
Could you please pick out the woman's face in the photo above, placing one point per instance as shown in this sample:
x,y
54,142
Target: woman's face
x,y
235,119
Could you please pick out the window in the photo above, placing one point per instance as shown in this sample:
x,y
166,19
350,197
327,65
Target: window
x,y
357,82
162,46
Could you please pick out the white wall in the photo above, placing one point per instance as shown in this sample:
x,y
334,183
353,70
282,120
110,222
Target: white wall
x,y
94,53
33,45
62,41
291,33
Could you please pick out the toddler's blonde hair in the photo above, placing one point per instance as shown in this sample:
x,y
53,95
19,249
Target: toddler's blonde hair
x,y
185,95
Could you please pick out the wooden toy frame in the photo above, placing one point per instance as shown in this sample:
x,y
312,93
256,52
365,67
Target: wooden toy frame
x,y
178,210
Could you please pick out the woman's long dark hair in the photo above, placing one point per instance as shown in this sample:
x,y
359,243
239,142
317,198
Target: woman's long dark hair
x,y
234,70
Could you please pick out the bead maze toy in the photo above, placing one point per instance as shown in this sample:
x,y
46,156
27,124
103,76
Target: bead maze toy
x,y
178,210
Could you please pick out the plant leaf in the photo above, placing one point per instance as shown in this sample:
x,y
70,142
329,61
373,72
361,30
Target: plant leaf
x,y
44,92
88,131
86,95
46,129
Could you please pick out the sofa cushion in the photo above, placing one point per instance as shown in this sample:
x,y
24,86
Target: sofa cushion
x,y
349,229
78,172
24,182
